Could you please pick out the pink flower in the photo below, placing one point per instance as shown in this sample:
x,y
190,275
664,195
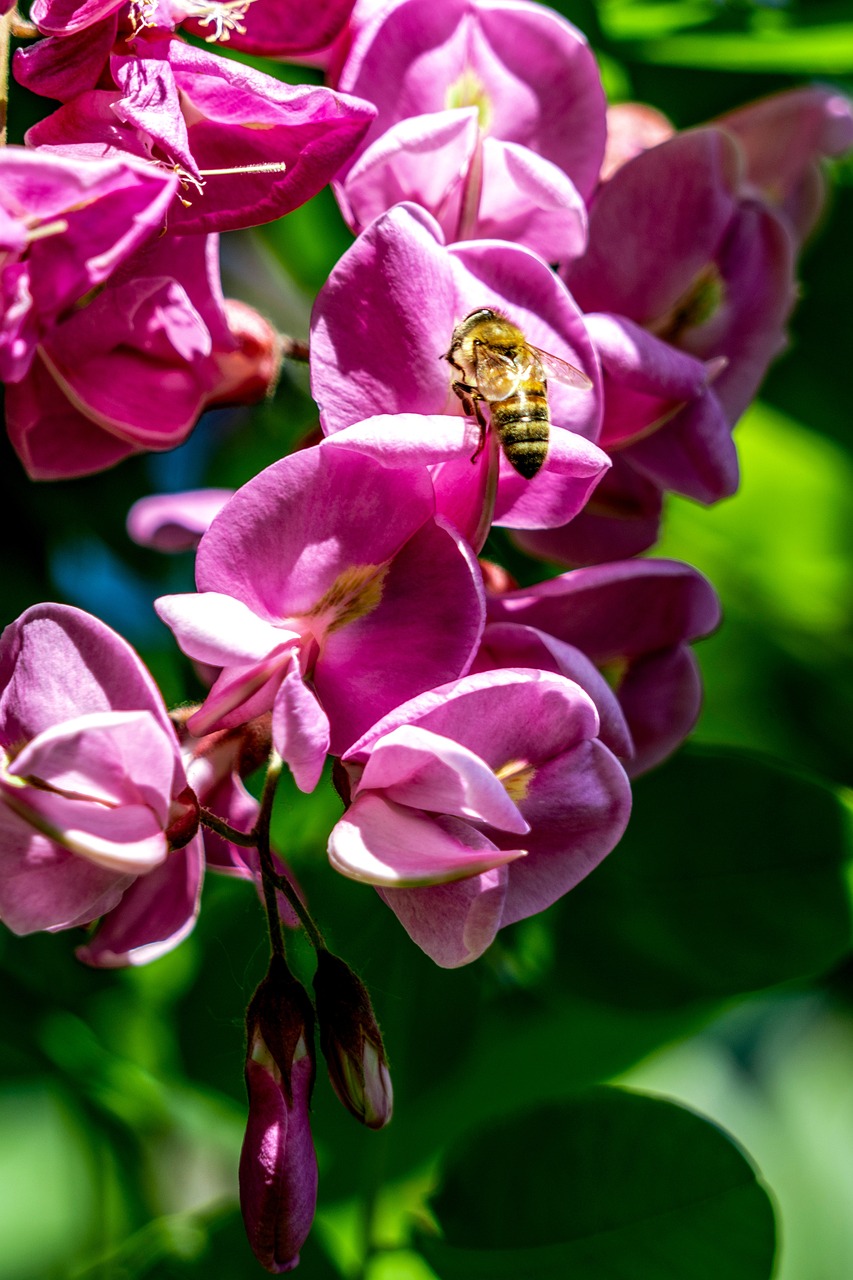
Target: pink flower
x,y
96,817
490,118
328,593
188,108
380,326
695,285
478,804
65,227
159,323
278,1166
635,620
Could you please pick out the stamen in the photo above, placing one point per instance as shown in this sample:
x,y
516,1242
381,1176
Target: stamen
x,y
55,228
271,166
224,16
469,91
516,776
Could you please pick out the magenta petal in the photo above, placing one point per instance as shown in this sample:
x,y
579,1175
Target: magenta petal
x,y
53,439
573,467
347,507
530,201
61,66
692,454
422,159
578,807
508,644
64,17
83,667
300,729
155,914
388,844
662,697
414,767
452,923
621,519
175,521
423,632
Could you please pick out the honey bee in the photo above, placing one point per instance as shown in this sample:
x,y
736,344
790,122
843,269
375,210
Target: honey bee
x,y
500,368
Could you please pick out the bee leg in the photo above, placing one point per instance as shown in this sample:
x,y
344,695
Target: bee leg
x,y
471,398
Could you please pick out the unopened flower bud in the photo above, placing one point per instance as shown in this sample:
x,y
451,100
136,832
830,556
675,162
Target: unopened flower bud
x,y
352,1042
278,1165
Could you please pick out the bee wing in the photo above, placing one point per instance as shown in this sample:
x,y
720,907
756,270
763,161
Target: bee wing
x,y
562,371
498,374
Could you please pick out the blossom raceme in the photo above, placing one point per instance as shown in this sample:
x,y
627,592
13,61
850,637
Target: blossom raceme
x,y
278,1165
382,323
65,227
160,322
635,620
478,804
328,592
96,816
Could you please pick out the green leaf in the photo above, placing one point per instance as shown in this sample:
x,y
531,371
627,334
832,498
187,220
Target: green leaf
x,y
818,50
610,1185
729,879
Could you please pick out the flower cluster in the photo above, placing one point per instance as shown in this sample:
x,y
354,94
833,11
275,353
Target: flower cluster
x,y
553,312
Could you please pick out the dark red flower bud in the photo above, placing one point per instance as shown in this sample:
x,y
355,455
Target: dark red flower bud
x,y
278,1165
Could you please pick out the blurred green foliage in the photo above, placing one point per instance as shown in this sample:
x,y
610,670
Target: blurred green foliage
x,y
712,948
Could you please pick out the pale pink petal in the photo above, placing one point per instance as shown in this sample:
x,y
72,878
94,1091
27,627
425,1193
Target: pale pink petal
x,y
155,914
387,844
300,729
215,628
452,923
424,770
175,521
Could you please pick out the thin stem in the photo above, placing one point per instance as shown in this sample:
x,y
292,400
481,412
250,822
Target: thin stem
x,y
305,919
246,840
261,832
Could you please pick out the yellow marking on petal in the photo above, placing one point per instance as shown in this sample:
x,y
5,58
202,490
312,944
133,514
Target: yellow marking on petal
x,y
354,594
694,308
516,776
469,91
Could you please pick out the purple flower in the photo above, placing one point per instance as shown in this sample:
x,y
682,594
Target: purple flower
x,y
635,620
327,592
783,139
695,283
160,322
380,326
65,227
278,1166
93,793
478,804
